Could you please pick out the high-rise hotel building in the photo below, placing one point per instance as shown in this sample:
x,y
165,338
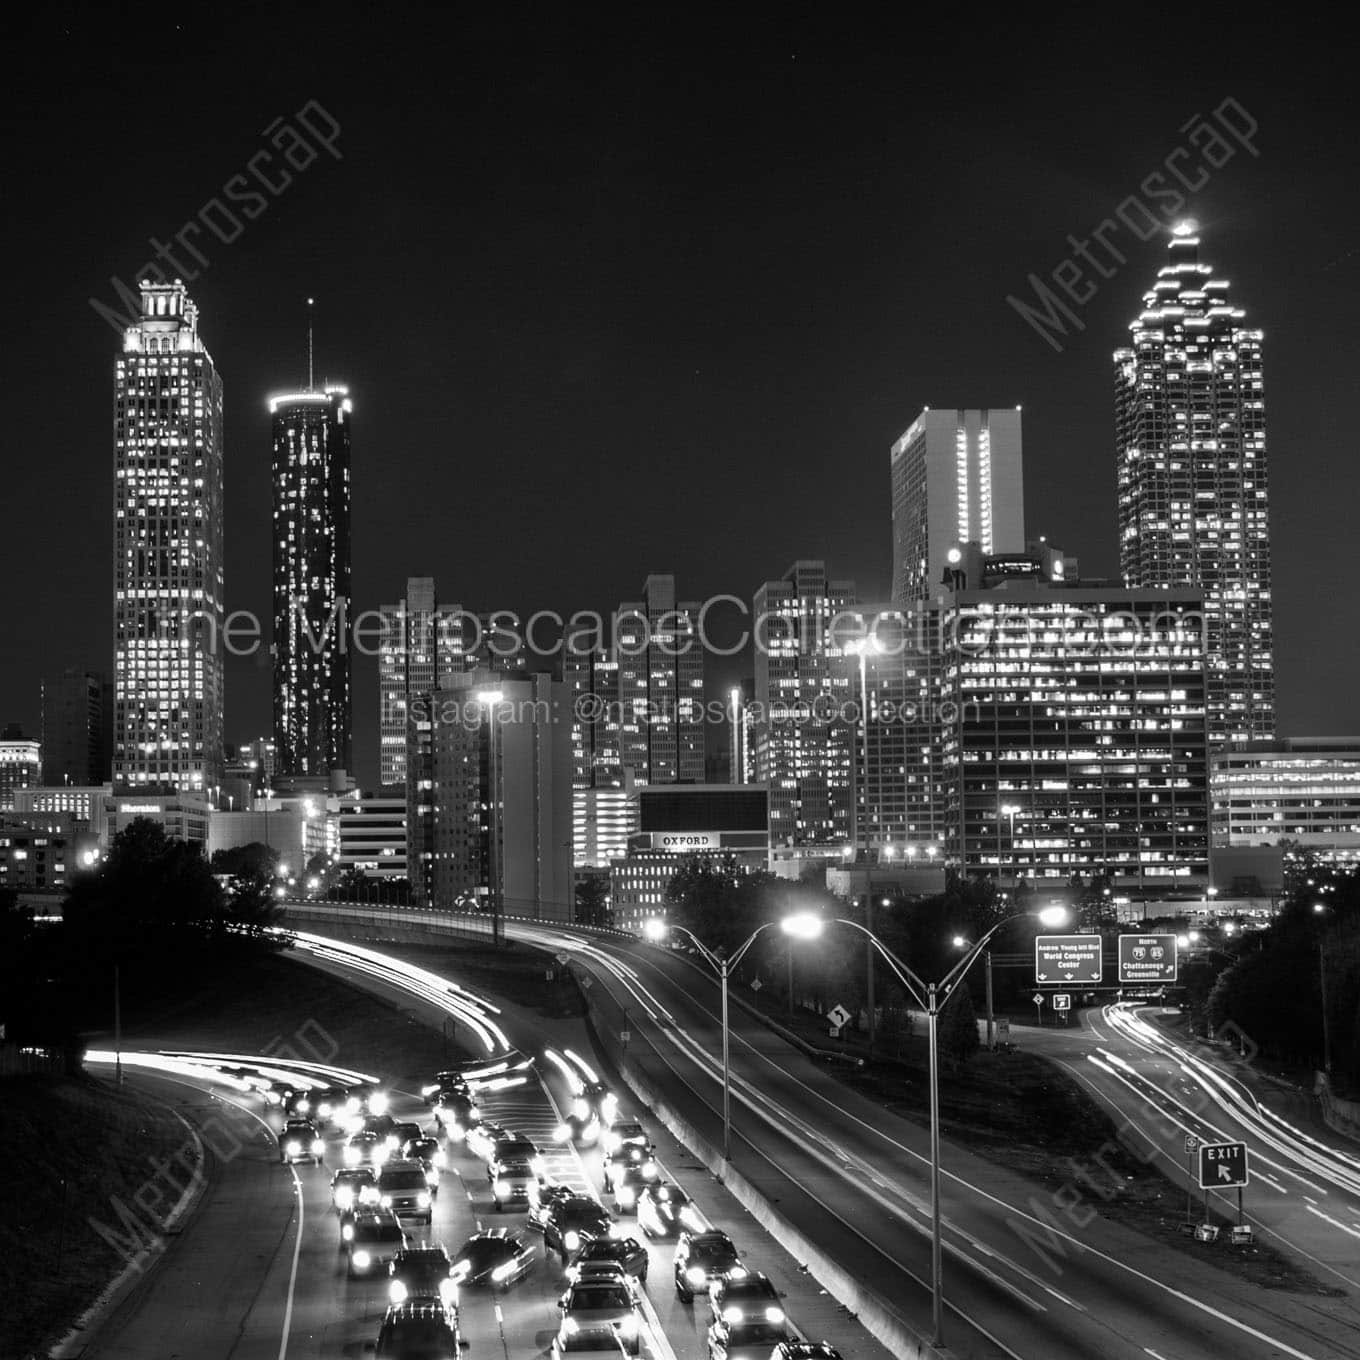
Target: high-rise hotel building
x,y
311,475
167,568
1193,504
957,477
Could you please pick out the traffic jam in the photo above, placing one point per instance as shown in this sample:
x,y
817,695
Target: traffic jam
x,y
492,1132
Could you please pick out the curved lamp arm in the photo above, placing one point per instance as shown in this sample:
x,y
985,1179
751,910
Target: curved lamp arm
x,y
916,989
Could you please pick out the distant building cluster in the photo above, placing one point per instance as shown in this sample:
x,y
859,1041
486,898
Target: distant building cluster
x,y
998,714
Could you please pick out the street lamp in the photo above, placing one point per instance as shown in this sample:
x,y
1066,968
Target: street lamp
x,y
931,998
1009,810
799,926
861,647
1319,909
961,942
490,699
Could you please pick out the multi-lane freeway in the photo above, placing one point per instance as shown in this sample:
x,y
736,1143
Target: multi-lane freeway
x,y
1030,1271
257,1269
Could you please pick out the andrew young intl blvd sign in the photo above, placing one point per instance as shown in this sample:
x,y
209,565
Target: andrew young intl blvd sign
x,y
1067,958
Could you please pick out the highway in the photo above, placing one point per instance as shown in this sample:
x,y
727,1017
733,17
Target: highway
x,y
1305,1193
257,1270
1028,1273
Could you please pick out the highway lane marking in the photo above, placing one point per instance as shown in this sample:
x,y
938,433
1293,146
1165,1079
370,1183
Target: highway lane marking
x,y
1335,1222
292,1274
1110,1260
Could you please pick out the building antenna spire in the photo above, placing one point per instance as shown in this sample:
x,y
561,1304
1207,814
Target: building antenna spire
x,y
310,303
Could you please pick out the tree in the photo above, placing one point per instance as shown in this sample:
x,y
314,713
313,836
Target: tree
x,y
593,907
958,1027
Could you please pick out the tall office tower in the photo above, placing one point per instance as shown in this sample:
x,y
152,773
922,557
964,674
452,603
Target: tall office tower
x,y
957,477
420,649
77,728
1073,734
661,686
592,679
167,564
1193,509
20,765
802,742
490,801
311,470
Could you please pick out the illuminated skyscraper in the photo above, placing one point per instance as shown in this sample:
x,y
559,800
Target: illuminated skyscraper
x,y
957,477
802,743
1193,507
167,566
311,470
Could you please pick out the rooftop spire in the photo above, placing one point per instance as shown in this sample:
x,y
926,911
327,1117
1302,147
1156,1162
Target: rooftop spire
x,y
310,303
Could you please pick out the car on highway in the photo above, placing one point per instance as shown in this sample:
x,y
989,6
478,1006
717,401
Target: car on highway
x,y
628,1157
300,1141
600,1099
448,1082
572,1222
514,1151
752,1295
455,1112
745,1339
626,1133
364,1149
602,1307
541,1200
423,1275
425,1149
628,1185
365,1098
665,1211
626,1252
702,1259
402,1187
415,1331
568,1345
495,1258
381,1124
401,1133
483,1136
596,1272
351,1186
371,1239
805,1350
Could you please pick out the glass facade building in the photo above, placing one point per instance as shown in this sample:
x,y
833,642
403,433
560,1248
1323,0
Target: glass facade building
x,y
311,475
167,568
1191,461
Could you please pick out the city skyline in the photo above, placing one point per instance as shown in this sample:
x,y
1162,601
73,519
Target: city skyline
x,y
813,405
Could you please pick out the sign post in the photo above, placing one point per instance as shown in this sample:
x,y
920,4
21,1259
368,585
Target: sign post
x,y
1191,1147
1062,1003
1223,1166
1067,958
1039,1007
1147,958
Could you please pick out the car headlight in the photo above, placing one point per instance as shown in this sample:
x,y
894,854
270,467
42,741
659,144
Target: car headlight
x,y
618,1231
441,1158
570,1326
455,1130
347,1232
377,1103
324,1109
318,1147
423,1199
696,1275
503,1271
368,1195
502,1187
628,1327
625,1194
390,1141
352,1105
732,1315
362,1260
430,1089
572,1240
448,1292
649,1171
351,1156
396,1291
561,1133
689,1218
737,1273
292,1148
774,1315
344,1197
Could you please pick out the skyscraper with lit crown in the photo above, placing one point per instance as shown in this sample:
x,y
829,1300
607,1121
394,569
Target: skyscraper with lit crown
x,y
311,472
167,567
1193,502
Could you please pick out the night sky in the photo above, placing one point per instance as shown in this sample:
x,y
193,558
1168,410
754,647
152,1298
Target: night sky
x,y
615,297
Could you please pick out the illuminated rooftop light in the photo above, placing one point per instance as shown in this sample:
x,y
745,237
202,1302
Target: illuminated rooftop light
x,y
1187,227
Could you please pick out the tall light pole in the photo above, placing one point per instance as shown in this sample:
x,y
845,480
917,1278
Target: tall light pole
x,y
1009,810
960,942
861,647
800,926
931,997
1320,909
490,699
